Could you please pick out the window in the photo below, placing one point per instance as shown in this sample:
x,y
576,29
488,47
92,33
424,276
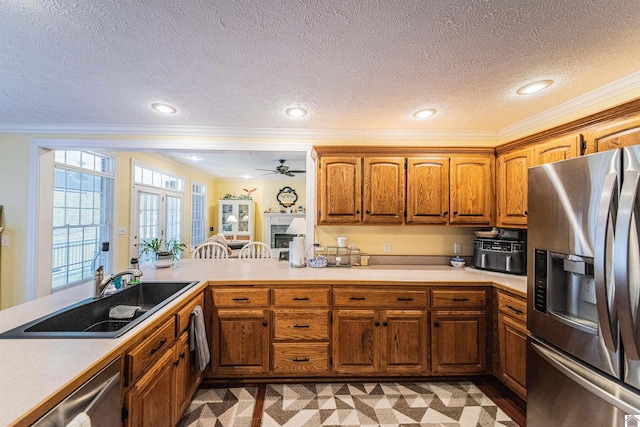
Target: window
x,y
82,194
158,207
198,203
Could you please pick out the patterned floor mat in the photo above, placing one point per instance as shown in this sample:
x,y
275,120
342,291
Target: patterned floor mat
x,y
221,408
380,404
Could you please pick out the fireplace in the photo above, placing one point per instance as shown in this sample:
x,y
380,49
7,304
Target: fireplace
x,y
274,230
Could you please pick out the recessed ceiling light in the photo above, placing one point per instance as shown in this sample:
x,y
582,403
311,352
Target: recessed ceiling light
x,y
423,114
195,158
534,87
163,108
295,112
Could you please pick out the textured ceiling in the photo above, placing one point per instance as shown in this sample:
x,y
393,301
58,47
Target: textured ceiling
x,y
354,64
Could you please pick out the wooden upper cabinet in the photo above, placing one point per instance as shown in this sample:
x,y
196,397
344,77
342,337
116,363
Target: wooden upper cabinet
x,y
428,190
340,190
471,182
618,140
384,189
563,148
513,188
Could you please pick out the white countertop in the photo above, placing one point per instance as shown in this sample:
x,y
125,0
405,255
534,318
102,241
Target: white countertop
x,y
34,370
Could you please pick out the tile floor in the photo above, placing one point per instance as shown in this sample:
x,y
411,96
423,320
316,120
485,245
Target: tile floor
x,y
407,404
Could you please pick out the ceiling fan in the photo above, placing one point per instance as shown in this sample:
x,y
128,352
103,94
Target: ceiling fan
x,y
283,169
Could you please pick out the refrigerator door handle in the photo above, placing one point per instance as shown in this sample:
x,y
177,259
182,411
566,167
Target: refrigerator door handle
x,y
606,214
624,302
604,388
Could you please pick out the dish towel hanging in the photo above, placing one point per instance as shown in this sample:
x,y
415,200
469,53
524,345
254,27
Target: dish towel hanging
x,y
198,338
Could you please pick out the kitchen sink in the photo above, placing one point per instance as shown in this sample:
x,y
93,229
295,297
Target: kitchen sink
x,y
90,318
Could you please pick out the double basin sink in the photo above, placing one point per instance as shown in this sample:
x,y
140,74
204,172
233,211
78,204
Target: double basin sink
x,y
90,318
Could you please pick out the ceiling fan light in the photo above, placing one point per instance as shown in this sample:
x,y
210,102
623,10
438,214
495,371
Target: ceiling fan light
x,y
423,114
164,108
534,87
296,112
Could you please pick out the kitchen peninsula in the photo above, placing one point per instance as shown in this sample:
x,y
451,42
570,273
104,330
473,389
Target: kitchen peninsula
x,y
43,371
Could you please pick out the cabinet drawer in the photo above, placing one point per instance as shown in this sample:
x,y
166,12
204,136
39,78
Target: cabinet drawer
x,y
151,349
400,298
184,315
301,325
458,298
512,306
303,359
301,297
240,297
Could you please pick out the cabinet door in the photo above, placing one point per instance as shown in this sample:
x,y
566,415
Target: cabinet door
x,y
186,376
618,140
404,342
150,399
512,342
356,342
558,149
384,179
428,190
471,190
240,342
458,342
340,190
513,188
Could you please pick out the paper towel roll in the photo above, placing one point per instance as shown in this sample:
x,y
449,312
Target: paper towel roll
x,y
297,252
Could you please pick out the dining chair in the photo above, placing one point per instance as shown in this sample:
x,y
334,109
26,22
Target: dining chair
x,y
255,250
210,250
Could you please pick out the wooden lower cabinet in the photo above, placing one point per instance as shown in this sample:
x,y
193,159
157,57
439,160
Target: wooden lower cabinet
x,y
392,342
240,342
186,376
458,342
150,399
512,342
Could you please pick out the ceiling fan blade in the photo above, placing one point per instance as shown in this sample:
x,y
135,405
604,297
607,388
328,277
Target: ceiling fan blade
x,y
288,173
298,171
268,170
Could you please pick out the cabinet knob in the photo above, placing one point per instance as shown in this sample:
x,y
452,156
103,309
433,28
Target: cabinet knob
x,y
455,212
264,323
368,211
377,323
436,324
357,211
445,213
526,212
385,324
176,363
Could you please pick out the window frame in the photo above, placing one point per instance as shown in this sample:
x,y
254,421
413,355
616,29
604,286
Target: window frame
x,y
203,210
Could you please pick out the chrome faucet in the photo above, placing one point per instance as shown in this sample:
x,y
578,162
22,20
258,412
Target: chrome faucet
x,y
100,283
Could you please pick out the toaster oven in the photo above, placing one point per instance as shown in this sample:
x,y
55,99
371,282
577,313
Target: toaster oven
x,y
504,256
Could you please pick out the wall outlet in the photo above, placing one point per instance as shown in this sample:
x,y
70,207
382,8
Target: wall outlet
x,y
386,247
5,240
122,230
457,248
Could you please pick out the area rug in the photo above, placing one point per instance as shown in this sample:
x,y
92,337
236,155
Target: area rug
x,y
221,407
380,404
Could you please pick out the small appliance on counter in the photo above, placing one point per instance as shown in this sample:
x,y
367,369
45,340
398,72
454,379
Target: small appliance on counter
x,y
505,253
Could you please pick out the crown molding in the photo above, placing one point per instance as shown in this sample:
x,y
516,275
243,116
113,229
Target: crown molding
x,y
226,132
546,118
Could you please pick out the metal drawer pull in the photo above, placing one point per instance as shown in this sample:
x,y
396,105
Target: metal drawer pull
x,y
357,298
404,299
515,309
241,299
306,359
158,347
301,299
461,299
300,326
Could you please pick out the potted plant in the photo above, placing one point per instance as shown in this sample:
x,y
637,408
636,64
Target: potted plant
x,y
165,251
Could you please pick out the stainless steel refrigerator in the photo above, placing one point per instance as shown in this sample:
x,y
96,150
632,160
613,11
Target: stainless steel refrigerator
x,y
583,355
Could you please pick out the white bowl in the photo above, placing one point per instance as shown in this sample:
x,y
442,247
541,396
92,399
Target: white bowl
x,y
457,264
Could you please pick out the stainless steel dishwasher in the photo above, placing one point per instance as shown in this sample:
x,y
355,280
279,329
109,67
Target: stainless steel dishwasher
x,y
95,403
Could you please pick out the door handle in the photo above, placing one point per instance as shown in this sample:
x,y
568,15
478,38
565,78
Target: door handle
x,y
623,299
605,216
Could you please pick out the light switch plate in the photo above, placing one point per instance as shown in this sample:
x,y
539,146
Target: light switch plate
x,y
5,240
457,248
386,247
